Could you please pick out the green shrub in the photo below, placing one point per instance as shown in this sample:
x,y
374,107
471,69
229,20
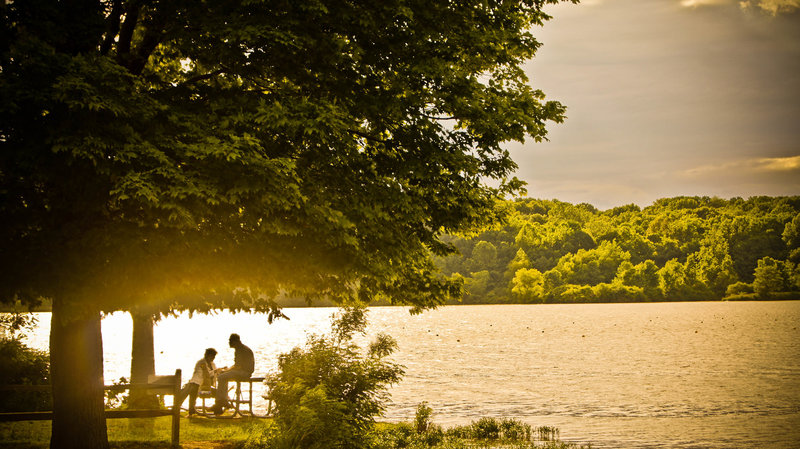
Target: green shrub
x,y
22,365
572,293
486,429
459,432
618,293
432,437
261,435
422,419
396,436
328,393
486,433
547,433
739,288
507,429
515,430
742,297
405,436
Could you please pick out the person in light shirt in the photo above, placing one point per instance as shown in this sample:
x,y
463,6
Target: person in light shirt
x,y
203,378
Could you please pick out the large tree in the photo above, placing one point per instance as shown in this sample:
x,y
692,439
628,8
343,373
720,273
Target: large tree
x,y
206,154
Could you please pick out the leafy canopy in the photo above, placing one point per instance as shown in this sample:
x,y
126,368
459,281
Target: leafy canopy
x,y
166,154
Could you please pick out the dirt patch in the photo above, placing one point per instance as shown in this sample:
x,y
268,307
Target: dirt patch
x,y
207,445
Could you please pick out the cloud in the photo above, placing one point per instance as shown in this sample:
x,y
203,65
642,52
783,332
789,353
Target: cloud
x,y
779,163
599,193
652,112
772,176
697,3
756,165
772,7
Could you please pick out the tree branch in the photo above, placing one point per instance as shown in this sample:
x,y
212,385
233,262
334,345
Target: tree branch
x,y
112,26
153,21
126,32
367,136
151,39
433,117
203,77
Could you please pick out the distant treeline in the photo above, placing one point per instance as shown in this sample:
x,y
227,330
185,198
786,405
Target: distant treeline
x,y
678,249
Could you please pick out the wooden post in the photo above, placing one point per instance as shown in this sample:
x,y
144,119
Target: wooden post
x,y
176,410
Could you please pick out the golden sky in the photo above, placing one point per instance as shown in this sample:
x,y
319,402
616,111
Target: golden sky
x,y
667,98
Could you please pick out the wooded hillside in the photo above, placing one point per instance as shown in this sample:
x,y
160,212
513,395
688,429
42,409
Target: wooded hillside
x,y
683,248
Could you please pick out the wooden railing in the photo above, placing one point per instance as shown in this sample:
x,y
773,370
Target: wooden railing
x,y
164,385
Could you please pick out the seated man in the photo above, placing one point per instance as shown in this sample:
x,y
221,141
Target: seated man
x,y
242,369
202,379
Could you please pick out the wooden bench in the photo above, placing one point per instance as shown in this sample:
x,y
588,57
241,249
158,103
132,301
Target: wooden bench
x,y
164,385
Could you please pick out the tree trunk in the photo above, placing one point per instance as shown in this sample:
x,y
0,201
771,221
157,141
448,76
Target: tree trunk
x,y
142,360
76,366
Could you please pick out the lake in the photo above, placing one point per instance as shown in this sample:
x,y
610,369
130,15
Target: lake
x,y
648,375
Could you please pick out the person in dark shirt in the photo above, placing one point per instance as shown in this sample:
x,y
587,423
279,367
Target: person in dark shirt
x,y
243,366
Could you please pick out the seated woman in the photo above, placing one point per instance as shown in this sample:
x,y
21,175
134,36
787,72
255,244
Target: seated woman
x,y
203,378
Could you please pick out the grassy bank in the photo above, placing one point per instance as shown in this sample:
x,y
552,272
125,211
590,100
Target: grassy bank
x,y
139,432
204,433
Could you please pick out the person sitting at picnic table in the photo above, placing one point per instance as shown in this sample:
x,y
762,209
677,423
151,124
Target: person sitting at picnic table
x,y
243,366
202,379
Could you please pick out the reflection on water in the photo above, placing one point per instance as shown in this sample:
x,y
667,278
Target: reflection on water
x,y
679,375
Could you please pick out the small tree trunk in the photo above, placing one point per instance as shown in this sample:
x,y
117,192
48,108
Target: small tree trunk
x,y
142,360
76,366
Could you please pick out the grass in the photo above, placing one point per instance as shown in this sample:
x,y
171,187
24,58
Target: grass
x,y
205,433
139,432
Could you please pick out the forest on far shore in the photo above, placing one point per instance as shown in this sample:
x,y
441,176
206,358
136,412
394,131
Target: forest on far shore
x,y
677,249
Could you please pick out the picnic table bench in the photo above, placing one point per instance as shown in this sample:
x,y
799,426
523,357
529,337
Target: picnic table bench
x,y
240,397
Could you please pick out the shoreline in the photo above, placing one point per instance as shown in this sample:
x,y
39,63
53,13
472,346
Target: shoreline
x,y
789,296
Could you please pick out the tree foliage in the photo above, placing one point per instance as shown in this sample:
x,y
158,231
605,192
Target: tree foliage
x,y
210,154
769,277
163,151
685,248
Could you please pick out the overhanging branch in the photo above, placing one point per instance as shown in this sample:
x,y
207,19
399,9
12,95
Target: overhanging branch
x,y
112,26
126,31
202,77
367,136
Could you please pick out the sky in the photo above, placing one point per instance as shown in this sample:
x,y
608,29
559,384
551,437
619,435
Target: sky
x,y
667,98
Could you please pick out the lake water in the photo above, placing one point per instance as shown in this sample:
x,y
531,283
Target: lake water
x,y
656,375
